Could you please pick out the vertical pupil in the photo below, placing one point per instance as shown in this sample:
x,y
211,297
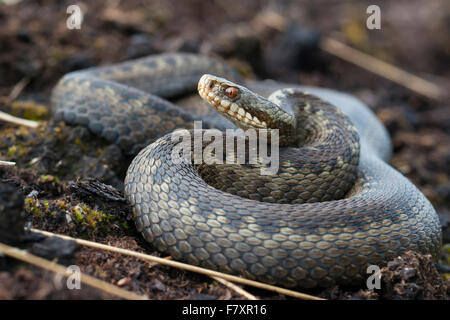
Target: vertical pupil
x,y
231,92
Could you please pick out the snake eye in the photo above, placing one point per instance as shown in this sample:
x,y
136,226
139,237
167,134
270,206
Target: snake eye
x,y
231,92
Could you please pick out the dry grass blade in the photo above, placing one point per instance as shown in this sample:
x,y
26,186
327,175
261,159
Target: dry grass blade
x,y
59,269
236,288
386,70
185,266
230,285
7,163
18,88
15,92
19,121
421,86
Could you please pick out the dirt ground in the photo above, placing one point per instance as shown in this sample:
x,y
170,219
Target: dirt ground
x,y
50,187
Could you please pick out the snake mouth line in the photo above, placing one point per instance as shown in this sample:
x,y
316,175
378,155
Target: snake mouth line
x,y
225,107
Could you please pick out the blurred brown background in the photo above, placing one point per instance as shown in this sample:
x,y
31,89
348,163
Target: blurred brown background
x,y
261,39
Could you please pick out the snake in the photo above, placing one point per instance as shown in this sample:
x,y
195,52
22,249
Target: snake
x,y
333,207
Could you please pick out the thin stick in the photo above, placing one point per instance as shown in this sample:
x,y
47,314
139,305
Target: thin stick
x,y
18,88
386,70
15,92
59,269
236,288
184,266
230,285
19,121
7,163
408,80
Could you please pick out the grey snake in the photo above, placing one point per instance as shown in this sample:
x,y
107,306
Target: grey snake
x,y
334,207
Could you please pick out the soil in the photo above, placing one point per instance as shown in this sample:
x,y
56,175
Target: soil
x,y
68,181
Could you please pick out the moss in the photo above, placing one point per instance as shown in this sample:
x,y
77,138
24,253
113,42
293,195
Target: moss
x,y
46,207
18,150
29,110
12,150
64,212
32,206
81,214
77,215
48,178
61,205
22,132
86,216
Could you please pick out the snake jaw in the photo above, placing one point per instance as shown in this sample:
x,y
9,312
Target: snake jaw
x,y
213,90
245,108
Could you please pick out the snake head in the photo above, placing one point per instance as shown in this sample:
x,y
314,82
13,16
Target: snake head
x,y
243,107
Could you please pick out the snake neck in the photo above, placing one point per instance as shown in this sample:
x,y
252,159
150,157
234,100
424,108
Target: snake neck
x,y
315,119
320,125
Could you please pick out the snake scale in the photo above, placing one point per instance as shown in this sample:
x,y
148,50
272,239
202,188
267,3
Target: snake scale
x,y
334,207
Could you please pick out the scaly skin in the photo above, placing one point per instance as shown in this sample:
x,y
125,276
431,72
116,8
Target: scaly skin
x,y
321,220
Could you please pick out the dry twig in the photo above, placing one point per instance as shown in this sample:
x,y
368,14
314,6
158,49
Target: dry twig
x,y
15,92
236,288
18,88
184,266
230,285
381,68
59,269
332,46
19,121
7,163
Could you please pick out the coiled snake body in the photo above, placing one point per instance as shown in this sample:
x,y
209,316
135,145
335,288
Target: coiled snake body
x,y
334,207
